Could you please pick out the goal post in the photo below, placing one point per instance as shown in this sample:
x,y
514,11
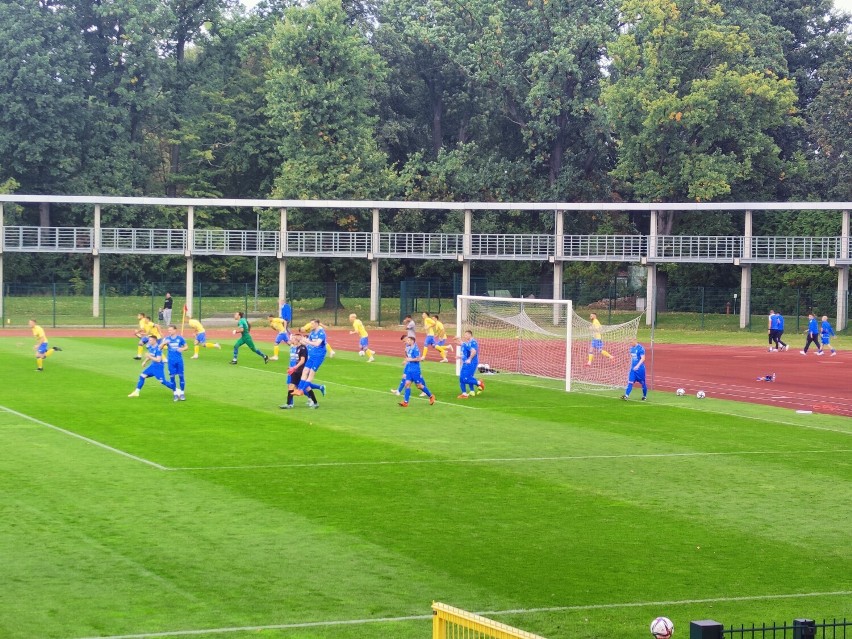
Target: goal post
x,y
519,335
547,338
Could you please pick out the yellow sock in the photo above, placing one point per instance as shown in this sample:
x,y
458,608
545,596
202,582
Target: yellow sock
x,y
197,348
139,351
425,352
591,357
39,362
275,351
49,352
329,349
369,353
442,350
605,354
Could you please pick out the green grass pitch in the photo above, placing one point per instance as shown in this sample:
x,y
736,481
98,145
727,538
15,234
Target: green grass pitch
x,y
566,514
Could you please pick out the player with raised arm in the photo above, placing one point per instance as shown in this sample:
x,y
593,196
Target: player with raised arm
x,y
468,352
298,358
154,367
200,336
42,350
363,337
175,345
637,370
412,373
281,335
244,331
315,341
597,346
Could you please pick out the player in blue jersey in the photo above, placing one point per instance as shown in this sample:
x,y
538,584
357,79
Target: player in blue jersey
x,y
468,352
412,374
286,313
175,345
316,343
776,329
826,333
153,362
812,335
637,370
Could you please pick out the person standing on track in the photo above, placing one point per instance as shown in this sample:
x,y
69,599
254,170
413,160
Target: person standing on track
x,y
826,333
812,335
167,309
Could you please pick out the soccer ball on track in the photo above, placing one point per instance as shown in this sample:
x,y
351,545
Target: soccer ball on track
x,y
701,394
680,392
662,628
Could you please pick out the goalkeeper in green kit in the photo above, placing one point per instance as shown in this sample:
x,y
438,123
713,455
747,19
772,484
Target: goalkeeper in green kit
x,y
244,331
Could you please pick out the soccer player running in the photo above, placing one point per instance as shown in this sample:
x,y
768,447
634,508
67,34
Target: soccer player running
x,y
315,341
411,372
298,358
469,354
637,370
281,335
441,339
597,346
154,367
363,337
141,334
429,327
175,345
244,331
41,348
200,336
812,335
307,328
826,333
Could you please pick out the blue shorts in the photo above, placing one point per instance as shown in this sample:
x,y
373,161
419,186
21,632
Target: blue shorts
x,y
156,371
468,370
201,338
42,348
597,344
636,376
414,376
282,337
362,343
430,340
316,356
440,342
826,340
175,365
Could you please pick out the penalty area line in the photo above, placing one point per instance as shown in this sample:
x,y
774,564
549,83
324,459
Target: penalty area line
x,y
88,440
493,613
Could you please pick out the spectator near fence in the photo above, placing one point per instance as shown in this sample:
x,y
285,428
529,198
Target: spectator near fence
x,y
167,309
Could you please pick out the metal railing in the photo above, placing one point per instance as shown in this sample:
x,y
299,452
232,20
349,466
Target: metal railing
x,y
154,241
448,246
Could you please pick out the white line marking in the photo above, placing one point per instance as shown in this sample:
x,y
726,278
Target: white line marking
x,y
503,460
88,440
515,611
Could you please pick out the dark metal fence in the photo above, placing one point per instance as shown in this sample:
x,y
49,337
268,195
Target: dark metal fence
x,y
798,629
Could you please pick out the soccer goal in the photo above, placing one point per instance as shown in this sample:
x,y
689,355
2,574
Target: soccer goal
x,y
546,338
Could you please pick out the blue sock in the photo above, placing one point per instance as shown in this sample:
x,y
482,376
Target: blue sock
x,y
426,390
407,393
401,385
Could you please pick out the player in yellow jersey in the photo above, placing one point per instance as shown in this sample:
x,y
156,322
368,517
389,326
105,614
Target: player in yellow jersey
x,y
307,328
41,348
200,336
597,340
441,338
429,327
363,337
141,334
281,335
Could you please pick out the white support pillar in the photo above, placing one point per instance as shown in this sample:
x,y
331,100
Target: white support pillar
x,y
651,287
282,259
467,247
96,264
843,276
745,276
2,284
187,251
558,265
375,290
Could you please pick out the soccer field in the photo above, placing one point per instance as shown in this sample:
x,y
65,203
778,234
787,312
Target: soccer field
x,y
566,514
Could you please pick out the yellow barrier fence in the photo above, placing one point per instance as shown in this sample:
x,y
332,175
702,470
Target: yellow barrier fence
x,y
454,623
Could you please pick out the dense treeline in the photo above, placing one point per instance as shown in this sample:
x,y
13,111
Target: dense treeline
x,y
486,100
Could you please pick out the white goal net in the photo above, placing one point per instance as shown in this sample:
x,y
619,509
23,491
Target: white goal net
x,y
535,337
